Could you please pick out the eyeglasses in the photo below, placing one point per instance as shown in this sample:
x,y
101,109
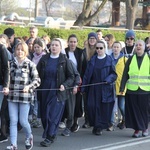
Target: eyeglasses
x,y
129,38
99,48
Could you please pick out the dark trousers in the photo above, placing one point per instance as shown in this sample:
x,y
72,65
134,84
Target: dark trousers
x,y
69,111
4,118
149,110
85,108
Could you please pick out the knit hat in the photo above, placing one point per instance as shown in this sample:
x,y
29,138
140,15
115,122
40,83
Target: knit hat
x,y
92,34
130,34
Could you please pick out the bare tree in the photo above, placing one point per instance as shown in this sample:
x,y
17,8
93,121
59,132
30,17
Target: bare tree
x,y
131,6
48,4
8,6
87,15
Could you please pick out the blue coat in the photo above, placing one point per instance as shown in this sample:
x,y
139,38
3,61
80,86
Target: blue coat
x,y
107,75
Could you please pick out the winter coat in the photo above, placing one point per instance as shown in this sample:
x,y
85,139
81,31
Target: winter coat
x,y
20,76
80,56
108,75
65,74
4,67
119,70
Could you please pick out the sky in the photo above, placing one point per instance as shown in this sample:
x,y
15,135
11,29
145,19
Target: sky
x,y
24,3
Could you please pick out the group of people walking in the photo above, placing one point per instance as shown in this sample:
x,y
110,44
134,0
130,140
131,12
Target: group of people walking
x,y
53,83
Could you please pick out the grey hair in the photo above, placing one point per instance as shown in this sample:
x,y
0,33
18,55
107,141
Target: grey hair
x,y
140,41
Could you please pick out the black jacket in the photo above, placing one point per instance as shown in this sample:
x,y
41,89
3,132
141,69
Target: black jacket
x,y
13,46
4,67
65,74
80,56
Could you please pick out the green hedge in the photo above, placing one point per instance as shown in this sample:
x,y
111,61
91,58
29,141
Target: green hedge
x,y
64,33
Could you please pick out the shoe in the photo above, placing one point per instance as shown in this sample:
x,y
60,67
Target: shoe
x,y
145,133
94,130
111,128
118,125
37,124
62,125
29,143
98,131
66,132
121,125
3,139
136,134
86,125
11,147
33,122
75,128
46,143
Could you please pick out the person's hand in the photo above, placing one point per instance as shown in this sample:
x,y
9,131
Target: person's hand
x,y
26,89
5,91
62,88
75,89
121,93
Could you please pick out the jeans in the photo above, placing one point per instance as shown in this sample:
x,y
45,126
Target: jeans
x,y
115,108
121,105
1,96
18,111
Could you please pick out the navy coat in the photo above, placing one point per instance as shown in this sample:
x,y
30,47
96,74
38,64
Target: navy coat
x,y
108,75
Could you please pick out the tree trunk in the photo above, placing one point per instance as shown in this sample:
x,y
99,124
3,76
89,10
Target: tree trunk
x,y
130,13
115,12
36,8
85,17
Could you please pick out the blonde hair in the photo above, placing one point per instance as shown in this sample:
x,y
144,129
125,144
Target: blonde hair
x,y
24,48
47,38
90,51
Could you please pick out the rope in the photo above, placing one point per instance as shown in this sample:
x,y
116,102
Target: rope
x,y
56,89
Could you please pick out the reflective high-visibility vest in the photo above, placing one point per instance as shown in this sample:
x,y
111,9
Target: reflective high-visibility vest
x,y
139,78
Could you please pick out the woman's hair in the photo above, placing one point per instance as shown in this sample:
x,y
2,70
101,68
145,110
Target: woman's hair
x,y
39,42
111,38
140,41
147,39
90,51
25,38
47,38
72,36
24,48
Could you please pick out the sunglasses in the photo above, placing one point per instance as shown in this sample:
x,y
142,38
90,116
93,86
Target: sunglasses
x,y
99,48
129,38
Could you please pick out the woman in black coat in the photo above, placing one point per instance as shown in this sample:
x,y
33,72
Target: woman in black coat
x,y
78,57
57,75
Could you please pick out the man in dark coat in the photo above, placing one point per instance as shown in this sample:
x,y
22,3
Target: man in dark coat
x,y
4,80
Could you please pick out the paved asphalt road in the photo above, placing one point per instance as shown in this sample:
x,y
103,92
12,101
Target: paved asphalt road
x,y
85,140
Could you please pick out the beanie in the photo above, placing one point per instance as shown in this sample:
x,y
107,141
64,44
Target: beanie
x,y
130,33
92,34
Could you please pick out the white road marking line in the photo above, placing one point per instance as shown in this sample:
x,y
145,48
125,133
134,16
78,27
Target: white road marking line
x,y
121,144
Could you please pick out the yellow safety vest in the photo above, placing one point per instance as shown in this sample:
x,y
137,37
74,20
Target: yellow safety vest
x,y
139,78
